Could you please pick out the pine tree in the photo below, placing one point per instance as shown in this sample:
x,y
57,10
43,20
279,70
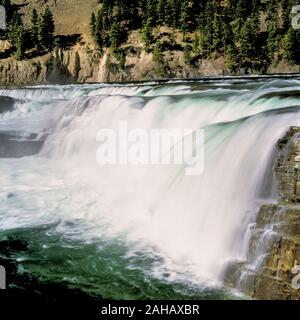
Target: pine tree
x,y
196,46
184,16
20,43
34,28
230,63
285,14
96,28
289,44
158,59
246,46
161,6
46,29
217,35
93,25
187,55
122,61
114,36
146,35
272,41
151,12
17,36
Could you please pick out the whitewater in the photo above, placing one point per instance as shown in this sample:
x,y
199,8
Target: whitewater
x,y
107,228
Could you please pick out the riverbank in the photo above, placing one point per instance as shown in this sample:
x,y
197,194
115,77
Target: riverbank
x,y
274,248
82,63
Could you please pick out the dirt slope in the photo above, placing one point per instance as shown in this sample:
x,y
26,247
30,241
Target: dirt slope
x,y
71,16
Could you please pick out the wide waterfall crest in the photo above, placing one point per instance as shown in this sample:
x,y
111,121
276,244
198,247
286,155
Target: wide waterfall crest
x,y
195,223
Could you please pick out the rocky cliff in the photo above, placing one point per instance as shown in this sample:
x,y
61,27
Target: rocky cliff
x,y
82,63
274,247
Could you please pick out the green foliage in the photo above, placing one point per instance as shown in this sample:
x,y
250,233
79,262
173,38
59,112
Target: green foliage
x,y
184,17
17,36
272,40
158,59
146,35
34,28
229,28
122,61
40,35
115,35
187,54
96,27
229,52
46,30
246,45
290,43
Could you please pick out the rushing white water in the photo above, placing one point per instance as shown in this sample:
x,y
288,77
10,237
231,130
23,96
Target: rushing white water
x,y
196,223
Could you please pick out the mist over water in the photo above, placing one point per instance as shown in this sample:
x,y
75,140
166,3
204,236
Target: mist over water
x,y
147,231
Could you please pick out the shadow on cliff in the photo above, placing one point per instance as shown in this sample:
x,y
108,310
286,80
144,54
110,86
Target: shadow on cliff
x,y
58,72
67,41
6,53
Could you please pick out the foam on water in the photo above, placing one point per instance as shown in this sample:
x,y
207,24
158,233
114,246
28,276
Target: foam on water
x,y
195,223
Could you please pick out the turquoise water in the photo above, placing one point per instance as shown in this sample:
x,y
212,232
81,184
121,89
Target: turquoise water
x,y
102,269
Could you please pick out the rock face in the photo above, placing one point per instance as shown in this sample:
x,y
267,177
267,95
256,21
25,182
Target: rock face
x,y
82,63
78,64
274,247
14,72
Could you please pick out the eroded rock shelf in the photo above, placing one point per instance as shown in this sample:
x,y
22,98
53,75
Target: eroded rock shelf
x,y
274,246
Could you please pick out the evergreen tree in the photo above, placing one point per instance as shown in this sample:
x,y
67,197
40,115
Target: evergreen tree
x,y
187,54
158,58
115,35
46,29
246,45
20,43
289,44
217,34
96,28
285,14
93,25
122,61
17,36
146,35
161,5
196,46
272,41
231,28
184,16
230,61
34,28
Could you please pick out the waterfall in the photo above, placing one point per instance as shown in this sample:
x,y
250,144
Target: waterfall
x,y
195,223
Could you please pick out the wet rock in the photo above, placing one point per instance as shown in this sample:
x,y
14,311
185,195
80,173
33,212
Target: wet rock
x,y
6,104
274,247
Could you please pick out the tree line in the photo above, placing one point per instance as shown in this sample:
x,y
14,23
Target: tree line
x,y
246,32
39,36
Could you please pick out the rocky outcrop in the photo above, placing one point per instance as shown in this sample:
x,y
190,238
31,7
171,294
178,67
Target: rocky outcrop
x,y
81,63
16,73
77,64
274,247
